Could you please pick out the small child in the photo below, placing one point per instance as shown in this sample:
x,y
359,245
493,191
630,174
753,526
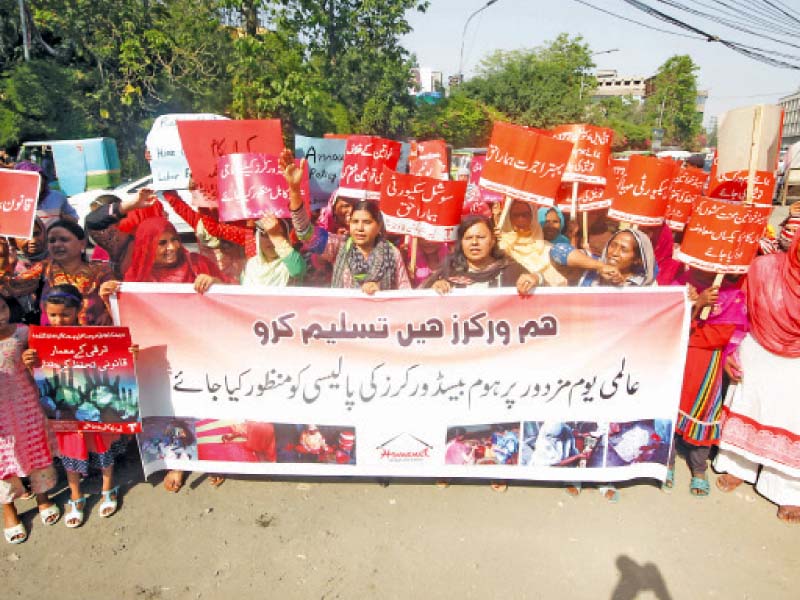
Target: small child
x,y
24,441
81,450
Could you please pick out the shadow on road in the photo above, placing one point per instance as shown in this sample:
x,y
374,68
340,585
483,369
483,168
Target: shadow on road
x,y
635,578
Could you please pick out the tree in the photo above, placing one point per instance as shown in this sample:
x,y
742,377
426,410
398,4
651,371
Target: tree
x,y
459,120
540,87
626,117
673,104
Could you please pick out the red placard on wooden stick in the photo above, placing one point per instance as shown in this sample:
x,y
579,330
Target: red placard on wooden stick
x,y
362,169
686,188
733,186
429,159
251,185
722,236
422,206
205,141
591,151
525,165
19,191
643,193
590,197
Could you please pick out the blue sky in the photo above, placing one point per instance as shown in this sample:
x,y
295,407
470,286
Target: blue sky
x,y
731,79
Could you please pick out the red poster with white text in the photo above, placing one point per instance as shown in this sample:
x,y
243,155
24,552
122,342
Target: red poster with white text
x,y
19,191
86,378
362,170
251,185
588,162
422,206
686,188
733,186
205,141
429,159
590,197
643,194
525,165
722,236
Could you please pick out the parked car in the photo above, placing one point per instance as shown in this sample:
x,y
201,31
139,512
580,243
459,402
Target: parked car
x,y
82,202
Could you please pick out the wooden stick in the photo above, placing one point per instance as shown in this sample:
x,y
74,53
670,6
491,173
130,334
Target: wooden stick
x,y
504,215
412,263
717,282
585,216
574,206
751,172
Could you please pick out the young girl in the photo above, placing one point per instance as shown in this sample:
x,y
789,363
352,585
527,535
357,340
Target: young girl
x,y
81,450
24,442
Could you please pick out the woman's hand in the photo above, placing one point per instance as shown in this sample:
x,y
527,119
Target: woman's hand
x,y
441,287
708,297
204,282
30,358
291,170
370,287
269,225
528,281
733,368
107,288
146,197
611,274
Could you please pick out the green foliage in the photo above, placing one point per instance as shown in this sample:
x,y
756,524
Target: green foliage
x,y
626,117
673,103
540,87
459,120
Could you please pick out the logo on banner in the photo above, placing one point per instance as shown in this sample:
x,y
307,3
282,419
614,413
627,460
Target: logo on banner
x,y
404,448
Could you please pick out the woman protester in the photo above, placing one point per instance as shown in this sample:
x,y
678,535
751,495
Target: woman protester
x,y
364,259
553,223
762,423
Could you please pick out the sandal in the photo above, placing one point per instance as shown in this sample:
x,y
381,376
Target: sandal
x,y
74,516
16,534
699,487
669,482
50,514
109,504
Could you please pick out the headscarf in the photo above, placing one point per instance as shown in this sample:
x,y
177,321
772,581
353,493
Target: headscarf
x,y
531,251
541,217
327,216
773,301
142,267
379,266
42,254
646,272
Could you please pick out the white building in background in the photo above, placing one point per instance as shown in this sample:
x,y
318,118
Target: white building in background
x,y
425,80
791,118
610,83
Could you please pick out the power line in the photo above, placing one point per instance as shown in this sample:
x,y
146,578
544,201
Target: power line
x,y
613,14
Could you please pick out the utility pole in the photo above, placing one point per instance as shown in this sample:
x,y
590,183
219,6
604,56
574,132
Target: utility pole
x,y
26,50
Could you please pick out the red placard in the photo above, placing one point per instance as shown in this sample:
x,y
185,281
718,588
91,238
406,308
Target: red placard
x,y
590,197
722,236
429,159
525,165
422,206
362,170
476,193
733,186
205,141
588,162
643,193
251,185
686,188
19,191
87,379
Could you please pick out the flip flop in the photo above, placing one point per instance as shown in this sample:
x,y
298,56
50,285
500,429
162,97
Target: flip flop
x,y
16,534
50,515
699,487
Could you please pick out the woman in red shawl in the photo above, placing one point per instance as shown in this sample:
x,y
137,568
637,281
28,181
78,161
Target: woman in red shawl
x,y
762,423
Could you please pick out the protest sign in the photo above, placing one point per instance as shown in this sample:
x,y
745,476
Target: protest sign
x,y
251,185
523,164
325,158
643,193
429,159
323,382
590,197
422,206
722,236
686,188
733,186
475,193
591,151
364,159
19,193
87,379
205,141
168,162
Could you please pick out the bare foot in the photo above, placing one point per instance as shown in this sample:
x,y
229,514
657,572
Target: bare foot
x,y
443,484
216,480
499,486
727,482
573,490
789,514
173,481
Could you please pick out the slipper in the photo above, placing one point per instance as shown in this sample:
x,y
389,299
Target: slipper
x,y
110,501
50,515
16,534
74,515
699,487
669,482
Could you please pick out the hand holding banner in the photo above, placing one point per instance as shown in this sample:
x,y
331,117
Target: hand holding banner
x,y
325,158
588,162
429,159
686,188
251,185
590,197
364,159
643,193
205,141
87,379
524,164
722,236
19,193
422,206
